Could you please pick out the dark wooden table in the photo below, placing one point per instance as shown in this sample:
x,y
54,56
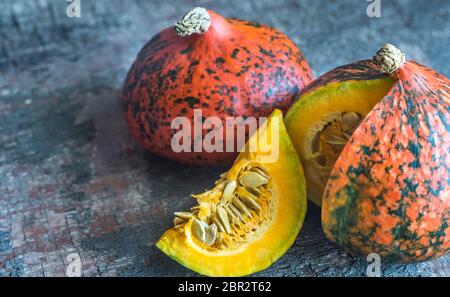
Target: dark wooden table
x,y
73,181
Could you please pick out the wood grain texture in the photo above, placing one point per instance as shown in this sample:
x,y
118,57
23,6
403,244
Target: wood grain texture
x,y
73,181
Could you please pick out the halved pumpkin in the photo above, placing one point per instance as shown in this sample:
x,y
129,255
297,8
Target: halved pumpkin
x,y
252,215
324,117
387,188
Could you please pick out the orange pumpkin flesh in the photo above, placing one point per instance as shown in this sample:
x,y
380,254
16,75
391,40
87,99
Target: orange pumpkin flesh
x,y
329,114
225,67
388,192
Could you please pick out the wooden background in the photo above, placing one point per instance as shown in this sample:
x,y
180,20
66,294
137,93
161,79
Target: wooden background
x,y
73,181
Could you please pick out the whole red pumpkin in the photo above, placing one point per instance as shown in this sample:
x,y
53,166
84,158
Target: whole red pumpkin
x,y
225,67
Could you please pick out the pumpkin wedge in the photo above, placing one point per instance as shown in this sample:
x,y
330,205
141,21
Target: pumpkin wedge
x,y
251,216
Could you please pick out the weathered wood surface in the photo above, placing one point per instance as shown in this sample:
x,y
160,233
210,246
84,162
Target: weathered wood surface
x,y
73,181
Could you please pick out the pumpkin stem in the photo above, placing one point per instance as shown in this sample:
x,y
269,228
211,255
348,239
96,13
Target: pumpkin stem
x,y
195,21
389,58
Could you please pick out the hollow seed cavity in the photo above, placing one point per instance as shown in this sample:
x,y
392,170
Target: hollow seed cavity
x,y
234,208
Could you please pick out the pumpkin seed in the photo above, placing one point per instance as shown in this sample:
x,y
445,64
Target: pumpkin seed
x,y
178,221
224,219
337,142
234,218
336,138
251,202
183,215
198,230
211,234
228,192
252,179
256,192
236,212
238,203
243,192
350,119
260,172
218,224
248,198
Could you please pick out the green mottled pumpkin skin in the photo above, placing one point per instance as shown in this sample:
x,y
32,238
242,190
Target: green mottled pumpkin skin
x,y
389,191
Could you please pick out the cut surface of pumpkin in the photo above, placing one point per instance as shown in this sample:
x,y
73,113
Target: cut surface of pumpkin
x,y
251,216
323,119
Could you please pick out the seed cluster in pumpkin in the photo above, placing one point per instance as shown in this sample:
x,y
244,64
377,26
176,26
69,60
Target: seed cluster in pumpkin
x,y
227,215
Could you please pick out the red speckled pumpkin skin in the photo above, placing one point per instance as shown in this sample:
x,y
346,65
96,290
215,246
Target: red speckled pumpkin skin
x,y
389,191
236,68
